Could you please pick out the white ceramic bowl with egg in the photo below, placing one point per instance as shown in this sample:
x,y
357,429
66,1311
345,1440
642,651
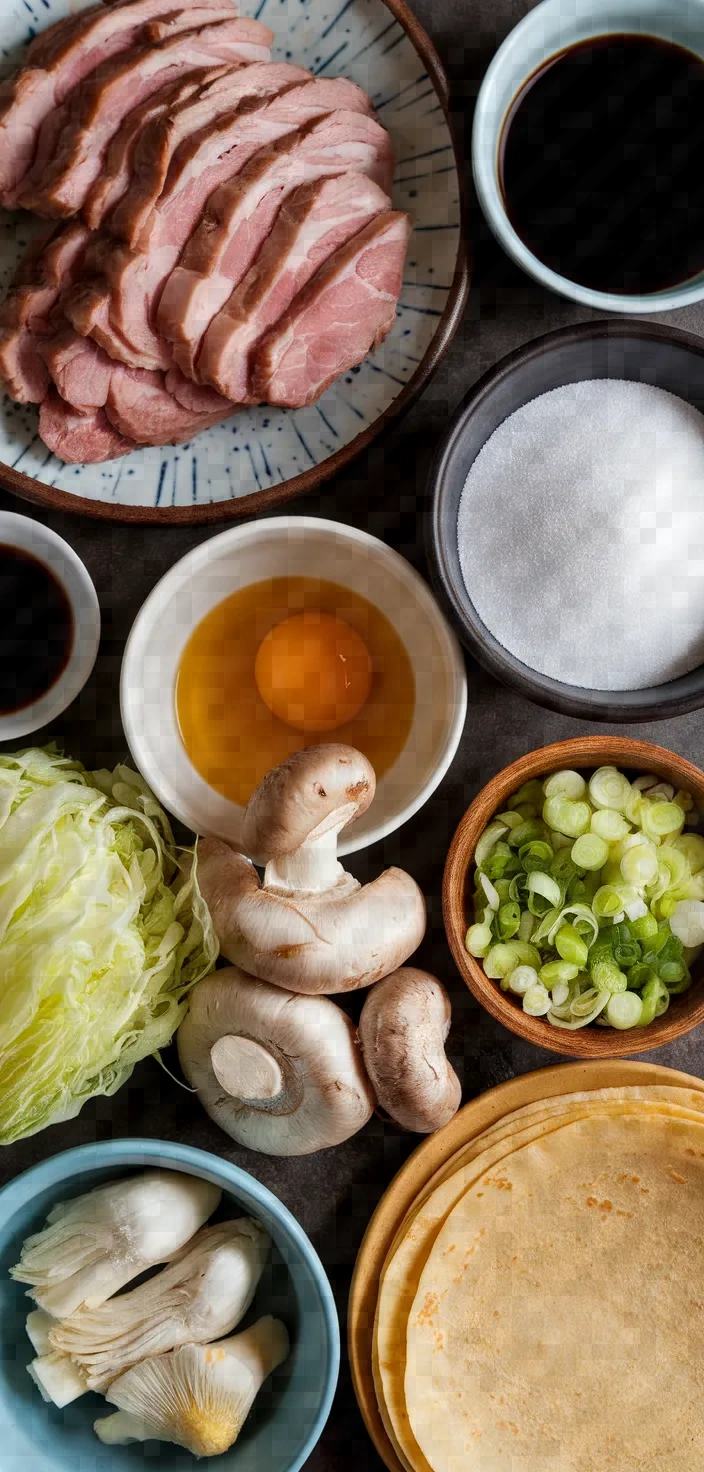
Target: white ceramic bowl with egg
x,y
291,546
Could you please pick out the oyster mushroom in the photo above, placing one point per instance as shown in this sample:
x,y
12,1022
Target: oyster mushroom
x,y
309,926
402,1030
278,1072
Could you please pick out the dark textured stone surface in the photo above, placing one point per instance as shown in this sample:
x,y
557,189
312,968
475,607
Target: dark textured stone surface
x,y
333,1194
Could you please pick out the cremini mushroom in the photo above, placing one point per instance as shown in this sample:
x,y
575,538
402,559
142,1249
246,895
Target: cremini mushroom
x,y
309,926
402,1030
278,1072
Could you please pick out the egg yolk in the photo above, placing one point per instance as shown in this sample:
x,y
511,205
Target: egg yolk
x,y
313,671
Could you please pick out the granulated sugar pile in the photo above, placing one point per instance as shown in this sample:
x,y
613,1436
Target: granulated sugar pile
x,y
581,535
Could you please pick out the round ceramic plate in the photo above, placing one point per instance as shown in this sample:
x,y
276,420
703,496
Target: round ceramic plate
x,y
477,1116
262,456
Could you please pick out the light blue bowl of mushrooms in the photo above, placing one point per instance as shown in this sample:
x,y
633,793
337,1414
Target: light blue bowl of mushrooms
x,y
222,1344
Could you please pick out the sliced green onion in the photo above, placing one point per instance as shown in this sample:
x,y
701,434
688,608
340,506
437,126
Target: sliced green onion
x,y
639,976
609,825
626,949
503,890
590,852
545,925
522,979
608,788
687,922
536,1001
478,939
543,892
529,832
570,946
491,894
606,975
527,926
672,972
536,855
500,961
636,910
560,841
565,784
692,846
518,888
554,971
662,791
607,902
645,781
656,1000
583,921
624,1010
509,820
508,920
488,840
591,1016
560,993
530,792
639,866
662,819
571,818
528,955
562,867
644,927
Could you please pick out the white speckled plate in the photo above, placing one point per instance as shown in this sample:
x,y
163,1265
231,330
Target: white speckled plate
x,y
263,456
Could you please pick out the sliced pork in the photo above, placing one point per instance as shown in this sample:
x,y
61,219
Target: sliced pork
x,y
116,174
25,315
160,140
344,312
68,55
134,280
94,111
80,439
79,369
140,407
187,20
239,216
313,224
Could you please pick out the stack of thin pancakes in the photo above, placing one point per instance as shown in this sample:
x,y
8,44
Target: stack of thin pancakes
x,y
541,1308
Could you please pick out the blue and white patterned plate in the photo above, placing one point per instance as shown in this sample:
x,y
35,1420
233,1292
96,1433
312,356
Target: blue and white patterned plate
x,y
264,455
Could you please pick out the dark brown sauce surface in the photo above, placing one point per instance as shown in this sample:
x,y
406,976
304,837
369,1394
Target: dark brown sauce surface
x,y
601,164
36,629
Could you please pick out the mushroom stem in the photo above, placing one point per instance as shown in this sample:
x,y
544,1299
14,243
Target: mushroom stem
x,y
313,868
245,1069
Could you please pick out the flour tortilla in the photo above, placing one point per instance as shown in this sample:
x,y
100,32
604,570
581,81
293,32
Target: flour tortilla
x,y
411,1247
558,1324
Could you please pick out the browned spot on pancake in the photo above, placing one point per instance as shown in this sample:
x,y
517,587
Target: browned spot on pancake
x,y
624,1213
592,1201
645,1190
430,1307
606,1205
675,1176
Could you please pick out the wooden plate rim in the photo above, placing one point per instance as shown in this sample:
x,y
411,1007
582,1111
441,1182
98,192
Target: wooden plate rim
x,y
578,751
299,485
477,1115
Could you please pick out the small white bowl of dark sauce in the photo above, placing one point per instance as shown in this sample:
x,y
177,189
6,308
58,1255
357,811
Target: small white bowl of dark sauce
x,y
586,150
49,625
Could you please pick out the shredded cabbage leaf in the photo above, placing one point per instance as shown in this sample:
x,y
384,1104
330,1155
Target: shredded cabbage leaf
x,y
103,931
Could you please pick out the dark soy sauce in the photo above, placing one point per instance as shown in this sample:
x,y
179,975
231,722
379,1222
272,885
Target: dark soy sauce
x,y
36,629
601,164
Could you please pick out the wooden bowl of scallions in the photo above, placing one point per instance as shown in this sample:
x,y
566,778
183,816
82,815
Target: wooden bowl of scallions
x,y
575,914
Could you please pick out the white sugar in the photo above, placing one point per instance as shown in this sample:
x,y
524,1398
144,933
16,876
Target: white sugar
x,y
581,535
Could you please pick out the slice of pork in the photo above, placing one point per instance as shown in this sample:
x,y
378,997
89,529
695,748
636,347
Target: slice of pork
x,y
79,369
240,215
140,407
79,439
344,312
313,224
32,94
187,20
116,173
25,315
199,398
160,140
93,113
136,279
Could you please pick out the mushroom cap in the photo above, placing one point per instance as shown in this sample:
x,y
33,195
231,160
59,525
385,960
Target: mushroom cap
x,y
326,1095
328,943
296,798
402,1030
